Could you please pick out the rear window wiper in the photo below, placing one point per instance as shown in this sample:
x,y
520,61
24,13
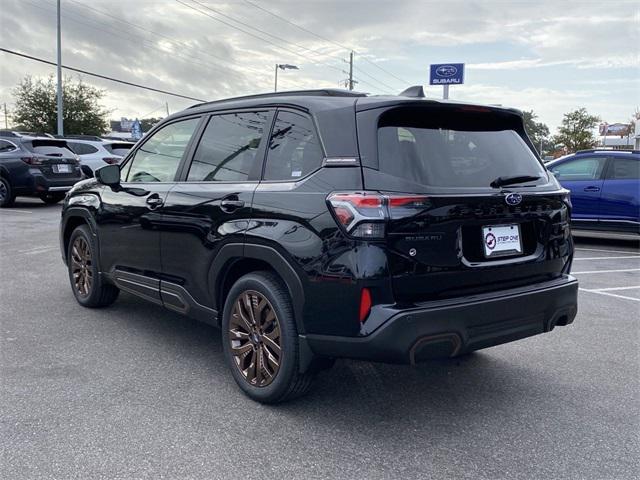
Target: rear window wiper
x,y
502,181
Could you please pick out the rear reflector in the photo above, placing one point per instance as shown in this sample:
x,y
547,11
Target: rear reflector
x,y
365,304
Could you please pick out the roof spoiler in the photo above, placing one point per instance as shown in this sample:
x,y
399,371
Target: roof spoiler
x,y
415,92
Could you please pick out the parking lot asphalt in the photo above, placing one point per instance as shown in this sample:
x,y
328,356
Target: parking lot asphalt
x,y
134,391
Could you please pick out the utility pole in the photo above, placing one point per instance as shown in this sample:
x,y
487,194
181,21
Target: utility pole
x,y
60,125
6,117
167,105
351,71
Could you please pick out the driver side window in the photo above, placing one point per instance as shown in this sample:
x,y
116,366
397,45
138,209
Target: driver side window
x,y
158,158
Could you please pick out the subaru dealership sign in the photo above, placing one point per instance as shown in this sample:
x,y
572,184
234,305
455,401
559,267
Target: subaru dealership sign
x,y
447,74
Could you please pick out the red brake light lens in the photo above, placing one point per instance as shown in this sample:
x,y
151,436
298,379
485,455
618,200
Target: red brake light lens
x,y
32,160
365,304
364,214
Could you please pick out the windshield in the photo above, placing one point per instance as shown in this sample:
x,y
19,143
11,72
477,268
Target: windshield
x,y
445,152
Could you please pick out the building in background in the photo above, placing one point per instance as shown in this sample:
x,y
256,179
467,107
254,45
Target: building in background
x,y
617,136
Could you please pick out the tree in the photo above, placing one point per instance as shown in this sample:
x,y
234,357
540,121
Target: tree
x,y
576,131
36,106
538,132
148,123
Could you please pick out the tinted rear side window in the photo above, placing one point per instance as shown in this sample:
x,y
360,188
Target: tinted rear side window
x,y
586,168
82,148
294,149
453,149
228,148
6,146
624,169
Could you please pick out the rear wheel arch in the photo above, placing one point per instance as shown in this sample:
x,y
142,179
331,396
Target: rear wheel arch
x,y
236,260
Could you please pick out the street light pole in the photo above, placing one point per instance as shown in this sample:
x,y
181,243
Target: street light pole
x,y
275,85
60,124
281,66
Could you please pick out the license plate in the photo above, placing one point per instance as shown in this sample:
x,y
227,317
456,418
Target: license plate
x,y
62,168
501,240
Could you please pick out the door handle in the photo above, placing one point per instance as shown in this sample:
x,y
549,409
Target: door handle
x,y
592,189
154,201
230,204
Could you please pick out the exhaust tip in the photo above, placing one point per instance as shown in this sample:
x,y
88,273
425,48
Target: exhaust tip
x,y
435,346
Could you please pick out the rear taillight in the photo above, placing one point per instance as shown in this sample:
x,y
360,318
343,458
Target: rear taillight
x,y
111,160
364,214
31,160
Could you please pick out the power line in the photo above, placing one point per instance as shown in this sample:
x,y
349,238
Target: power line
x,y
386,85
97,75
128,35
166,37
262,39
315,52
325,39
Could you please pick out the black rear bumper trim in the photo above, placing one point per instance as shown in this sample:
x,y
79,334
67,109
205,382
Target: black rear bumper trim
x,y
458,327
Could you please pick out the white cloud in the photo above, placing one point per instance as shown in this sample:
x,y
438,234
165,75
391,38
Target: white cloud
x,y
179,49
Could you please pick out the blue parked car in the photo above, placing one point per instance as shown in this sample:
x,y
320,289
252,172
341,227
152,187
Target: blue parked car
x,y
605,188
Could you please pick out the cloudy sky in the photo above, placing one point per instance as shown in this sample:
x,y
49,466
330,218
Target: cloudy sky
x,y
551,56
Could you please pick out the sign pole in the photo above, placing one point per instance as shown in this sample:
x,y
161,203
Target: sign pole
x,y
445,92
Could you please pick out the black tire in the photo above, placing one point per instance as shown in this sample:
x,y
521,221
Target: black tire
x,y
95,292
51,198
287,383
6,193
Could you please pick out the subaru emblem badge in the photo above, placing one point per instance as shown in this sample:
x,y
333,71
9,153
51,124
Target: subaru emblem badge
x,y
513,199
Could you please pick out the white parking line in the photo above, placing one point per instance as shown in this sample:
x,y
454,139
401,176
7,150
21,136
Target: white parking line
x,y
599,292
581,249
32,251
11,210
604,258
607,271
609,289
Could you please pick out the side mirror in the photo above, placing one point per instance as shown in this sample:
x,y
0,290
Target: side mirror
x,y
108,175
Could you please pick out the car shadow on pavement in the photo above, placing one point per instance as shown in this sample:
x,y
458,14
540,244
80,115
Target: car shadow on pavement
x,y
356,393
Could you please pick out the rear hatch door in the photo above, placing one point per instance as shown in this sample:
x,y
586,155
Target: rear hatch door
x,y
471,209
53,158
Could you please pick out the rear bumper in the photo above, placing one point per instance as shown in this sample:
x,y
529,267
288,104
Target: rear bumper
x,y
449,328
37,183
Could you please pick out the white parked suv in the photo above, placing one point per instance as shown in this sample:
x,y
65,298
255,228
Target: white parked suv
x,y
96,153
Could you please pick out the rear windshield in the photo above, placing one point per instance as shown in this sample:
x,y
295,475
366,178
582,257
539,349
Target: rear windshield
x,y
50,148
453,148
118,148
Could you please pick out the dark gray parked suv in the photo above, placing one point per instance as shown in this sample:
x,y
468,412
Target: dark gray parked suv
x,y
36,166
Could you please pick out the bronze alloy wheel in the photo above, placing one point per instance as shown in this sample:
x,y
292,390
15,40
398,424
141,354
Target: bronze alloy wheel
x,y
254,334
81,266
4,192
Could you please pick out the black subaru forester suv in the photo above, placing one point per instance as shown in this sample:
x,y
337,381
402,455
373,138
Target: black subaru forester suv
x,y
313,225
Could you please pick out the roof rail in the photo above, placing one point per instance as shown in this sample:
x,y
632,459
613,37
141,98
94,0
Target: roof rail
x,y
325,92
594,150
